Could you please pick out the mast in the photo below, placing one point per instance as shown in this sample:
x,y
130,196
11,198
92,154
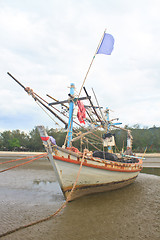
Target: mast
x,y
92,62
70,122
129,143
108,127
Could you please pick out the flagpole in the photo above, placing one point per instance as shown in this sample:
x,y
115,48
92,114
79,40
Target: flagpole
x,y
91,62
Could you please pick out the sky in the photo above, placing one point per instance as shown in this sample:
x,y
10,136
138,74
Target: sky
x,y
47,45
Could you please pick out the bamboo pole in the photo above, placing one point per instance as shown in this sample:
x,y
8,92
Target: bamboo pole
x,y
98,106
37,96
93,107
57,101
16,80
91,63
83,134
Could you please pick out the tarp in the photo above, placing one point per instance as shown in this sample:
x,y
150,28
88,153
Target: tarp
x,y
81,112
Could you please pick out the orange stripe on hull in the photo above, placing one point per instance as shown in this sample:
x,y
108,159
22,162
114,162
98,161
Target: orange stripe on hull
x,y
108,167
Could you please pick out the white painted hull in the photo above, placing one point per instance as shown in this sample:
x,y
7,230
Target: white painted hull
x,y
92,179
96,175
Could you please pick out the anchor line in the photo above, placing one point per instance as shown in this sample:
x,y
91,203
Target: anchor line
x,y
55,213
19,159
18,165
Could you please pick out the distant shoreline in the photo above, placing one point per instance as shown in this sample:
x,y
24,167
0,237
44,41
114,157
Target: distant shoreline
x,y
147,155
19,153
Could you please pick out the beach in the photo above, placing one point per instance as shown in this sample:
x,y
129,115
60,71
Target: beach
x,y
31,192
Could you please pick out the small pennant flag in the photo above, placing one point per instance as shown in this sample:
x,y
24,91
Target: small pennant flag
x,y
107,45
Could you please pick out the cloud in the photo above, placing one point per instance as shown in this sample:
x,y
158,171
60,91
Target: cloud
x,y
47,46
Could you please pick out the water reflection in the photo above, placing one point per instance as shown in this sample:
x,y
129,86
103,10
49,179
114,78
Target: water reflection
x,y
43,182
31,194
47,186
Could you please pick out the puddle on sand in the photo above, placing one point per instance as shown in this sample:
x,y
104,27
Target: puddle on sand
x,y
28,194
49,186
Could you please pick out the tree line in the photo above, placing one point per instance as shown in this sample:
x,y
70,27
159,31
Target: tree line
x,y
17,140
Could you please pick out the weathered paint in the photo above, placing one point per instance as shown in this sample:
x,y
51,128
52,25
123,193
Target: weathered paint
x,y
97,175
82,190
110,166
70,122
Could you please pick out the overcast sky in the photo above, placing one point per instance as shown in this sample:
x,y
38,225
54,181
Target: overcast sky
x,y
49,44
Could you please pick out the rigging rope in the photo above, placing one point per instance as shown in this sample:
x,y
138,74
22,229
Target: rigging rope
x,y
63,115
86,140
55,213
42,155
48,114
19,159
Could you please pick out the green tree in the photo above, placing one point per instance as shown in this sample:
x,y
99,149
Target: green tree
x,y
35,142
13,143
142,137
5,137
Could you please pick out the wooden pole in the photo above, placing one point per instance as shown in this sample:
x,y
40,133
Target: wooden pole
x,y
98,105
57,101
91,63
37,99
16,80
93,107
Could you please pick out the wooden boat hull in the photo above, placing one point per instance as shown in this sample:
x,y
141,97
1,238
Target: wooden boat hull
x,y
95,176
91,180
97,188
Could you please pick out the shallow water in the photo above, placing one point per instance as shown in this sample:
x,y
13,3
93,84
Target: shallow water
x,y
151,170
31,192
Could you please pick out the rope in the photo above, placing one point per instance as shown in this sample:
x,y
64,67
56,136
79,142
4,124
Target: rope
x,y
87,140
63,115
42,155
20,159
69,196
48,115
144,153
117,148
55,213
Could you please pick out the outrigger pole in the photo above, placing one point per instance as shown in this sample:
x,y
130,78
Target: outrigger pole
x,y
38,98
30,92
16,80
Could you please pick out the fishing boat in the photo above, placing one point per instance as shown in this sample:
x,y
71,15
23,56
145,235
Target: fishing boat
x,y
92,171
97,174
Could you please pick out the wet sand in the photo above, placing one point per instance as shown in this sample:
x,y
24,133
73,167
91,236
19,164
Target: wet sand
x,y
31,192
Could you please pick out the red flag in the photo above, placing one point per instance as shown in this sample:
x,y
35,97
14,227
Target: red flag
x,y
81,112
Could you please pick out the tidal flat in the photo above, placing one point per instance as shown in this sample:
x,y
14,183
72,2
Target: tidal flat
x,y
31,192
